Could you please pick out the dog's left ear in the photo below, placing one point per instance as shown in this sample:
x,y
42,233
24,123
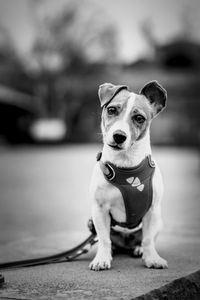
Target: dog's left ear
x,y
108,91
156,95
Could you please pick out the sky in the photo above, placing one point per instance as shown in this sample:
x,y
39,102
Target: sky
x,y
127,15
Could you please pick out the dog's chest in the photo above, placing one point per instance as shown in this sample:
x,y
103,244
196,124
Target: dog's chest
x,y
113,198
107,195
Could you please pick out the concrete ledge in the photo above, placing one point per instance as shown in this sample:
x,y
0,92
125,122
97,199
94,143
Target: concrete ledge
x,y
184,288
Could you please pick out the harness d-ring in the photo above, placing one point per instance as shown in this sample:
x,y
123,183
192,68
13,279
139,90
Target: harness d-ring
x,y
111,174
151,162
107,170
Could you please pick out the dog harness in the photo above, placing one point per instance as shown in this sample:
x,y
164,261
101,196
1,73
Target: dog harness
x,y
135,185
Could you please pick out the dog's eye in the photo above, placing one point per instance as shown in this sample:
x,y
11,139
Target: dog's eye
x,y
112,110
139,119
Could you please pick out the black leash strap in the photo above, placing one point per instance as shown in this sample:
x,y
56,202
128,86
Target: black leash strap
x,y
60,257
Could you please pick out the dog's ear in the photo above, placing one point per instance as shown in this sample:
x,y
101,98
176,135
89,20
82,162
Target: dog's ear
x,y
156,95
108,91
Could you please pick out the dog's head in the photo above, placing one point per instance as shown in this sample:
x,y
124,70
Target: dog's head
x,y
126,116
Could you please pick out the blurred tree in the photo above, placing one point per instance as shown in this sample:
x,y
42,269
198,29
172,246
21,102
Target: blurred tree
x,y
12,70
16,86
7,49
77,33
75,40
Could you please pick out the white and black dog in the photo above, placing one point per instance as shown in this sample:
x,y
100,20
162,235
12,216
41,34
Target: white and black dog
x,y
126,186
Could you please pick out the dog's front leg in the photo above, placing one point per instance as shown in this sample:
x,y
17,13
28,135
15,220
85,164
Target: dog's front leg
x,y
101,219
152,224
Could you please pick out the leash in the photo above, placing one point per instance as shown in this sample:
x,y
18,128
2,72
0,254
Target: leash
x,y
119,243
117,239
68,255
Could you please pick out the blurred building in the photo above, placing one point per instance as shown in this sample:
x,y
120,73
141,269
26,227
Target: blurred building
x,y
179,54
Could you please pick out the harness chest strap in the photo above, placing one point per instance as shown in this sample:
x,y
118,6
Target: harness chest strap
x,y
135,185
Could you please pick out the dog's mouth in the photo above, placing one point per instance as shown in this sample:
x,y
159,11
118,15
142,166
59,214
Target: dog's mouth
x,y
115,146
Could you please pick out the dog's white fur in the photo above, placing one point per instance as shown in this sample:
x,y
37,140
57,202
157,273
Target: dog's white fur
x,y
108,199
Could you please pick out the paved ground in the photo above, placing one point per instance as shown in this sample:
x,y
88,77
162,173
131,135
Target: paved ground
x,y
44,209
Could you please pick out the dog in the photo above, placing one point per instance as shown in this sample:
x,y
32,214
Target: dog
x,y
125,125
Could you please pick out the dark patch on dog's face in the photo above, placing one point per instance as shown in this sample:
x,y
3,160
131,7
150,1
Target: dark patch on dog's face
x,y
115,110
141,117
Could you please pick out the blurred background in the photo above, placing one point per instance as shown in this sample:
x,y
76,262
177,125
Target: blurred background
x,y
53,57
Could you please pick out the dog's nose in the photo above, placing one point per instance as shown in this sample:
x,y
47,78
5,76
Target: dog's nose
x,y
119,137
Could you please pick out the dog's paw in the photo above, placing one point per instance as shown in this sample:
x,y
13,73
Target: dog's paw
x,y
100,263
137,251
155,262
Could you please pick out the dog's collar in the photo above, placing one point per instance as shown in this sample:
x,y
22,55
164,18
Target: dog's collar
x,y
109,169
